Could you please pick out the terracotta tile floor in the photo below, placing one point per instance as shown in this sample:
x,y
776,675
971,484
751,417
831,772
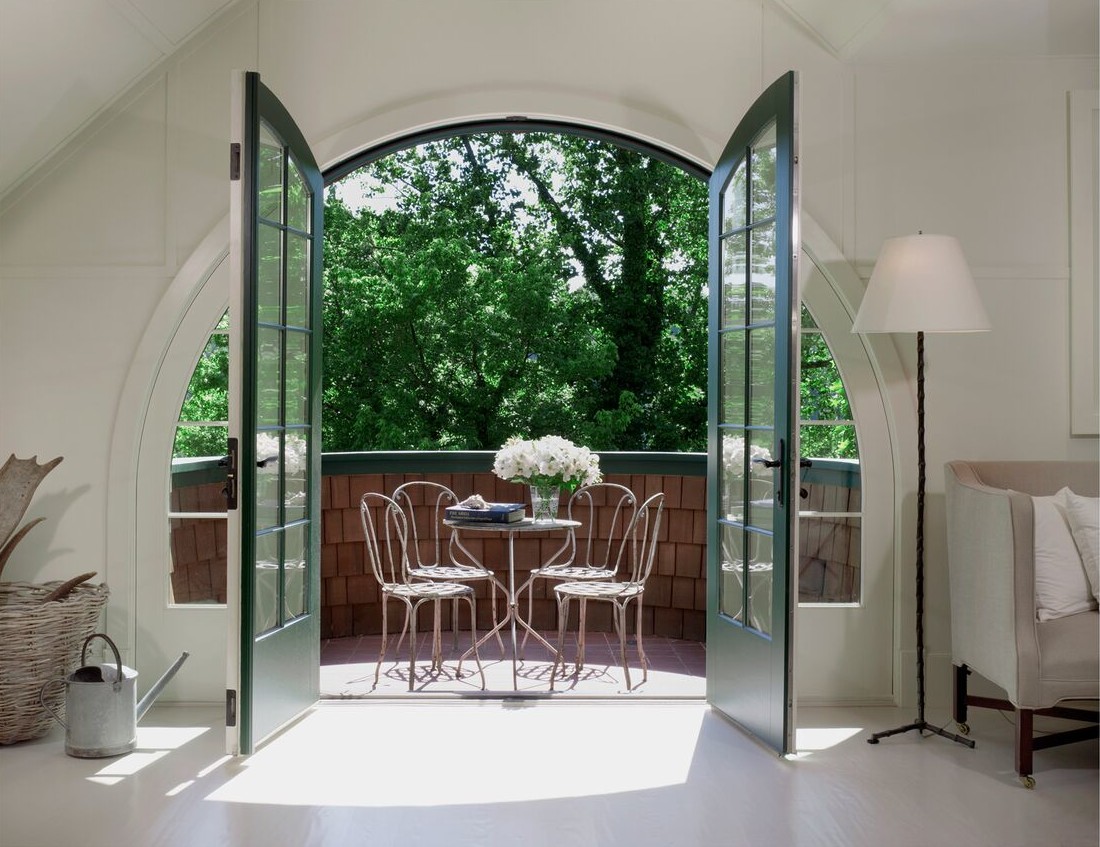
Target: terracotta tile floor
x,y
677,669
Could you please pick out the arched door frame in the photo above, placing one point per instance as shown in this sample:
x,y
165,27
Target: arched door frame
x,y
137,464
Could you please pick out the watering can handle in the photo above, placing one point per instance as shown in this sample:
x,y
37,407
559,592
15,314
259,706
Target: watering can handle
x,y
114,649
42,700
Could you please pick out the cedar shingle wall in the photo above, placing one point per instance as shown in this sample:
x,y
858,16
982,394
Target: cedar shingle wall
x,y
675,599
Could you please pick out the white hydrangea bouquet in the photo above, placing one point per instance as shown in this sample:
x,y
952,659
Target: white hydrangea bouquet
x,y
547,461
733,456
267,452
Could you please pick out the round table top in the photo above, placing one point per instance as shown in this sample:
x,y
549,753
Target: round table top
x,y
525,525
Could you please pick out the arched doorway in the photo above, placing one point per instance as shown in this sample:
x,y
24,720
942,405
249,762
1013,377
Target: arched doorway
x,y
828,685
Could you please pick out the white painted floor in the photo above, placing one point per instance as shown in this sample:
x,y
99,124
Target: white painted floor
x,y
539,774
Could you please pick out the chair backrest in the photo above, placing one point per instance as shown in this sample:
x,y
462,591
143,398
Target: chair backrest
x,y
431,542
638,548
604,510
386,534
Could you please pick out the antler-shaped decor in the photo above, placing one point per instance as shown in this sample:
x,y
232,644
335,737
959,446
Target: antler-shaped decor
x,y
19,479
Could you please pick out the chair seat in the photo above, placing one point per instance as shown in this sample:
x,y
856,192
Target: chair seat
x,y
449,572
574,572
605,590
429,590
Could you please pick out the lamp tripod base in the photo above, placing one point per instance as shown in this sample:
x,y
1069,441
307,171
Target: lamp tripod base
x,y
922,726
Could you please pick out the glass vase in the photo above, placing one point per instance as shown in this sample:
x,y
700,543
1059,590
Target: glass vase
x,y
544,503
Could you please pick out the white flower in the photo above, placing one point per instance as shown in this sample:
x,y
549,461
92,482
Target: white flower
x,y
733,455
267,453
551,460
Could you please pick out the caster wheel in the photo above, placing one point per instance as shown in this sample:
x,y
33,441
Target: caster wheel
x,y
964,729
1028,781
872,741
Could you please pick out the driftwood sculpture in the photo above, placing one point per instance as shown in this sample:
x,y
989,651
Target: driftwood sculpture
x,y
19,479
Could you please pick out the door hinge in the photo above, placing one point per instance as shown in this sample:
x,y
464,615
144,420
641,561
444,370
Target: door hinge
x,y
230,707
234,161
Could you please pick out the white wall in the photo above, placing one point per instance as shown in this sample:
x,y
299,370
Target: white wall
x,y
88,249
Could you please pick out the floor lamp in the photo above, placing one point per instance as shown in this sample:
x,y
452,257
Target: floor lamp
x,y
921,283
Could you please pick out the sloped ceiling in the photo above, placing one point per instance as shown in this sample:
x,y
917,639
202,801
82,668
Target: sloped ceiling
x,y
63,62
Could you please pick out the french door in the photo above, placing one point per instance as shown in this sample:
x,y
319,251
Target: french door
x,y
752,471
275,407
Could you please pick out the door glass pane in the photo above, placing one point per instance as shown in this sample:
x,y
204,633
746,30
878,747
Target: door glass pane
x,y
295,487
269,281
270,189
762,479
207,397
732,385
731,485
734,261
763,175
267,572
761,377
268,375
198,558
829,560
762,303
297,199
731,563
760,581
297,280
297,377
733,200
268,464
197,483
294,569
823,397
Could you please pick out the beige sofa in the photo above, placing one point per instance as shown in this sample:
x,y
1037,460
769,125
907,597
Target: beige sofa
x,y
994,630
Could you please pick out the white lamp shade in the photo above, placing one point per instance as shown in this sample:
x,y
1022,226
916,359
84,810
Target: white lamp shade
x,y
921,283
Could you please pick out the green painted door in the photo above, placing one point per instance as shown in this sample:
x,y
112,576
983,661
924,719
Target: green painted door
x,y
275,253
752,454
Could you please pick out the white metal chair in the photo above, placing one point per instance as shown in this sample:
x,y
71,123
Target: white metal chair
x,y
436,552
605,510
386,533
632,564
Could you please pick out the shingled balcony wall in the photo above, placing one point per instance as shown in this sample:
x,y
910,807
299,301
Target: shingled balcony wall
x,y
675,601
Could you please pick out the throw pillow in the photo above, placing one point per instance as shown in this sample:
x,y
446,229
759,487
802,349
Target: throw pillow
x,y
1084,523
1061,587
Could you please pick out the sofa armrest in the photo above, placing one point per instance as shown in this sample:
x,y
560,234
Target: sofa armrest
x,y
990,551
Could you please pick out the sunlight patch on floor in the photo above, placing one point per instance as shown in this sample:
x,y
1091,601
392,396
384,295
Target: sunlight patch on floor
x,y
813,739
469,755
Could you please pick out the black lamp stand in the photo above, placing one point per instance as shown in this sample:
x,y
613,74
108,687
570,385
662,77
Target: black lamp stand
x,y
920,724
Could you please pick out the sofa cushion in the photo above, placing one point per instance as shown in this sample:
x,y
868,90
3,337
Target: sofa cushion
x,y
1084,522
1061,586
1069,650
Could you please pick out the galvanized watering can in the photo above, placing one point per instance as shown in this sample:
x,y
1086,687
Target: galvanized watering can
x,y
101,705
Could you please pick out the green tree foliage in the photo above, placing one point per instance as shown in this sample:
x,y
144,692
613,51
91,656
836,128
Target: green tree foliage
x,y
501,284
207,400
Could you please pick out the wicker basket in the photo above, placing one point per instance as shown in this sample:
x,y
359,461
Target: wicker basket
x,y
38,642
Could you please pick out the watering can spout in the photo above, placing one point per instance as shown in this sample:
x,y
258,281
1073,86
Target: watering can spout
x,y
158,686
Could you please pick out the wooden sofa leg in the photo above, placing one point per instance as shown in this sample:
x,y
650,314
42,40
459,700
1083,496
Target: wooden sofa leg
x,y
961,673
1025,726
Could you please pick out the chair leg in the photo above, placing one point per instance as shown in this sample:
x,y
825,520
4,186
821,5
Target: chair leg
x,y
563,617
473,636
582,627
412,644
959,711
620,621
638,641
382,652
1025,726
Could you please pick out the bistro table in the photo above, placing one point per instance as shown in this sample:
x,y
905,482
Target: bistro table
x,y
512,616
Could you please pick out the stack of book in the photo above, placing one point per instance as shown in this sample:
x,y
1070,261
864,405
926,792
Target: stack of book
x,y
492,513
